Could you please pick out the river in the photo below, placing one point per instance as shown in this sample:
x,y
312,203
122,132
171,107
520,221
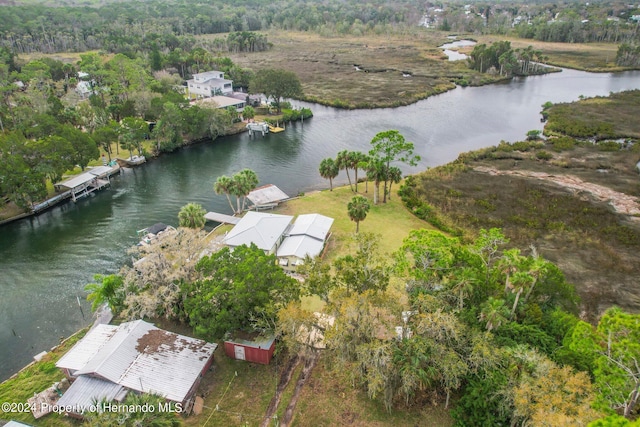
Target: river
x,y
46,260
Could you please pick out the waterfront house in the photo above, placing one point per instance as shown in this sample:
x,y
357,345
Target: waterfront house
x,y
208,84
136,356
307,236
220,101
264,230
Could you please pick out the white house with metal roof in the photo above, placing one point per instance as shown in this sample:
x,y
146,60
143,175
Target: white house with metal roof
x,y
307,236
208,84
265,230
112,360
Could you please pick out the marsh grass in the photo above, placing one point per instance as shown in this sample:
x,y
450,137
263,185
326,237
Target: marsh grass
x,y
327,67
596,247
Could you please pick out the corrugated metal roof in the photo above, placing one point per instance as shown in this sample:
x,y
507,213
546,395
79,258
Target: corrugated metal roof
x,y
300,246
85,349
169,369
314,225
85,177
86,391
77,180
141,357
262,229
266,194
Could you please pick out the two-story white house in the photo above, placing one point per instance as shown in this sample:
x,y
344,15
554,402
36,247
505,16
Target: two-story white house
x,y
208,84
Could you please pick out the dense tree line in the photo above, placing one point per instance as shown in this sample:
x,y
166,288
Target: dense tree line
x,y
500,58
571,22
120,27
44,134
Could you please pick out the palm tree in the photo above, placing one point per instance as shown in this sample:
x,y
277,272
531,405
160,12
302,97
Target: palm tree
x,y
245,181
357,209
192,216
364,164
395,176
107,289
494,312
376,172
343,160
225,185
355,159
329,170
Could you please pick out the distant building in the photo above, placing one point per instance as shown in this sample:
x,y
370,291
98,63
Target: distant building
x,y
111,361
208,84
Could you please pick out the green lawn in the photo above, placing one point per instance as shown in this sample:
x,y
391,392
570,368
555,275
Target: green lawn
x,y
391,220
34,379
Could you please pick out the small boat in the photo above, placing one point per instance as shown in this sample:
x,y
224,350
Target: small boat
x,y
150,234
131,161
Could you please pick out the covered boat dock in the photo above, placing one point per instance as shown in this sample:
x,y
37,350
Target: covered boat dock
x,y
86,183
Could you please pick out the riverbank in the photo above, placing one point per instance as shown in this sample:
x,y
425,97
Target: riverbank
x,y
9,212
574,202
235,391
395,70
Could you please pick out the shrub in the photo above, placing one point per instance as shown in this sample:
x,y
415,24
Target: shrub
x,y
563,143
608,146
544,155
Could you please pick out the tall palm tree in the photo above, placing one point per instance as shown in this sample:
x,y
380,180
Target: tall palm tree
x,y
358,208
343,160
395,176
355,159
329,170
245,181
192,216
225,185
376,172
107,289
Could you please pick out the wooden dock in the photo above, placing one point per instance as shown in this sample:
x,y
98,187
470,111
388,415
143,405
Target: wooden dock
x,y
221,218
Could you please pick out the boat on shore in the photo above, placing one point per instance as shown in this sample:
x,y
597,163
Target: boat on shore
x,y
131,161
151,234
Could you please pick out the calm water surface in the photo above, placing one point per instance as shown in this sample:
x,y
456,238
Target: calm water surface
x,y
45,261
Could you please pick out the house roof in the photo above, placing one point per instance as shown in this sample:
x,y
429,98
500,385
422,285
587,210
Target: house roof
x,y
266,194
222,101
300,246
314,225
85,177
144,358
85,349
262,229
210,74
85,391
306,236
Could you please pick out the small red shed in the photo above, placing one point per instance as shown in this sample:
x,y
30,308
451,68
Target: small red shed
x,y
250,347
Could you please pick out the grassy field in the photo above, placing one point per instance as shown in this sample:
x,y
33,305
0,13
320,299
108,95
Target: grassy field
x,y
327,67
34,379
392,221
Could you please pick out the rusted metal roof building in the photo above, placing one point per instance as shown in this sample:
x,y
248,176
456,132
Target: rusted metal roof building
x,y
136,356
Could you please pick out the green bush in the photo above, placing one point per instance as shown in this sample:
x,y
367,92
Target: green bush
x,y
544,155
608,146
563,143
